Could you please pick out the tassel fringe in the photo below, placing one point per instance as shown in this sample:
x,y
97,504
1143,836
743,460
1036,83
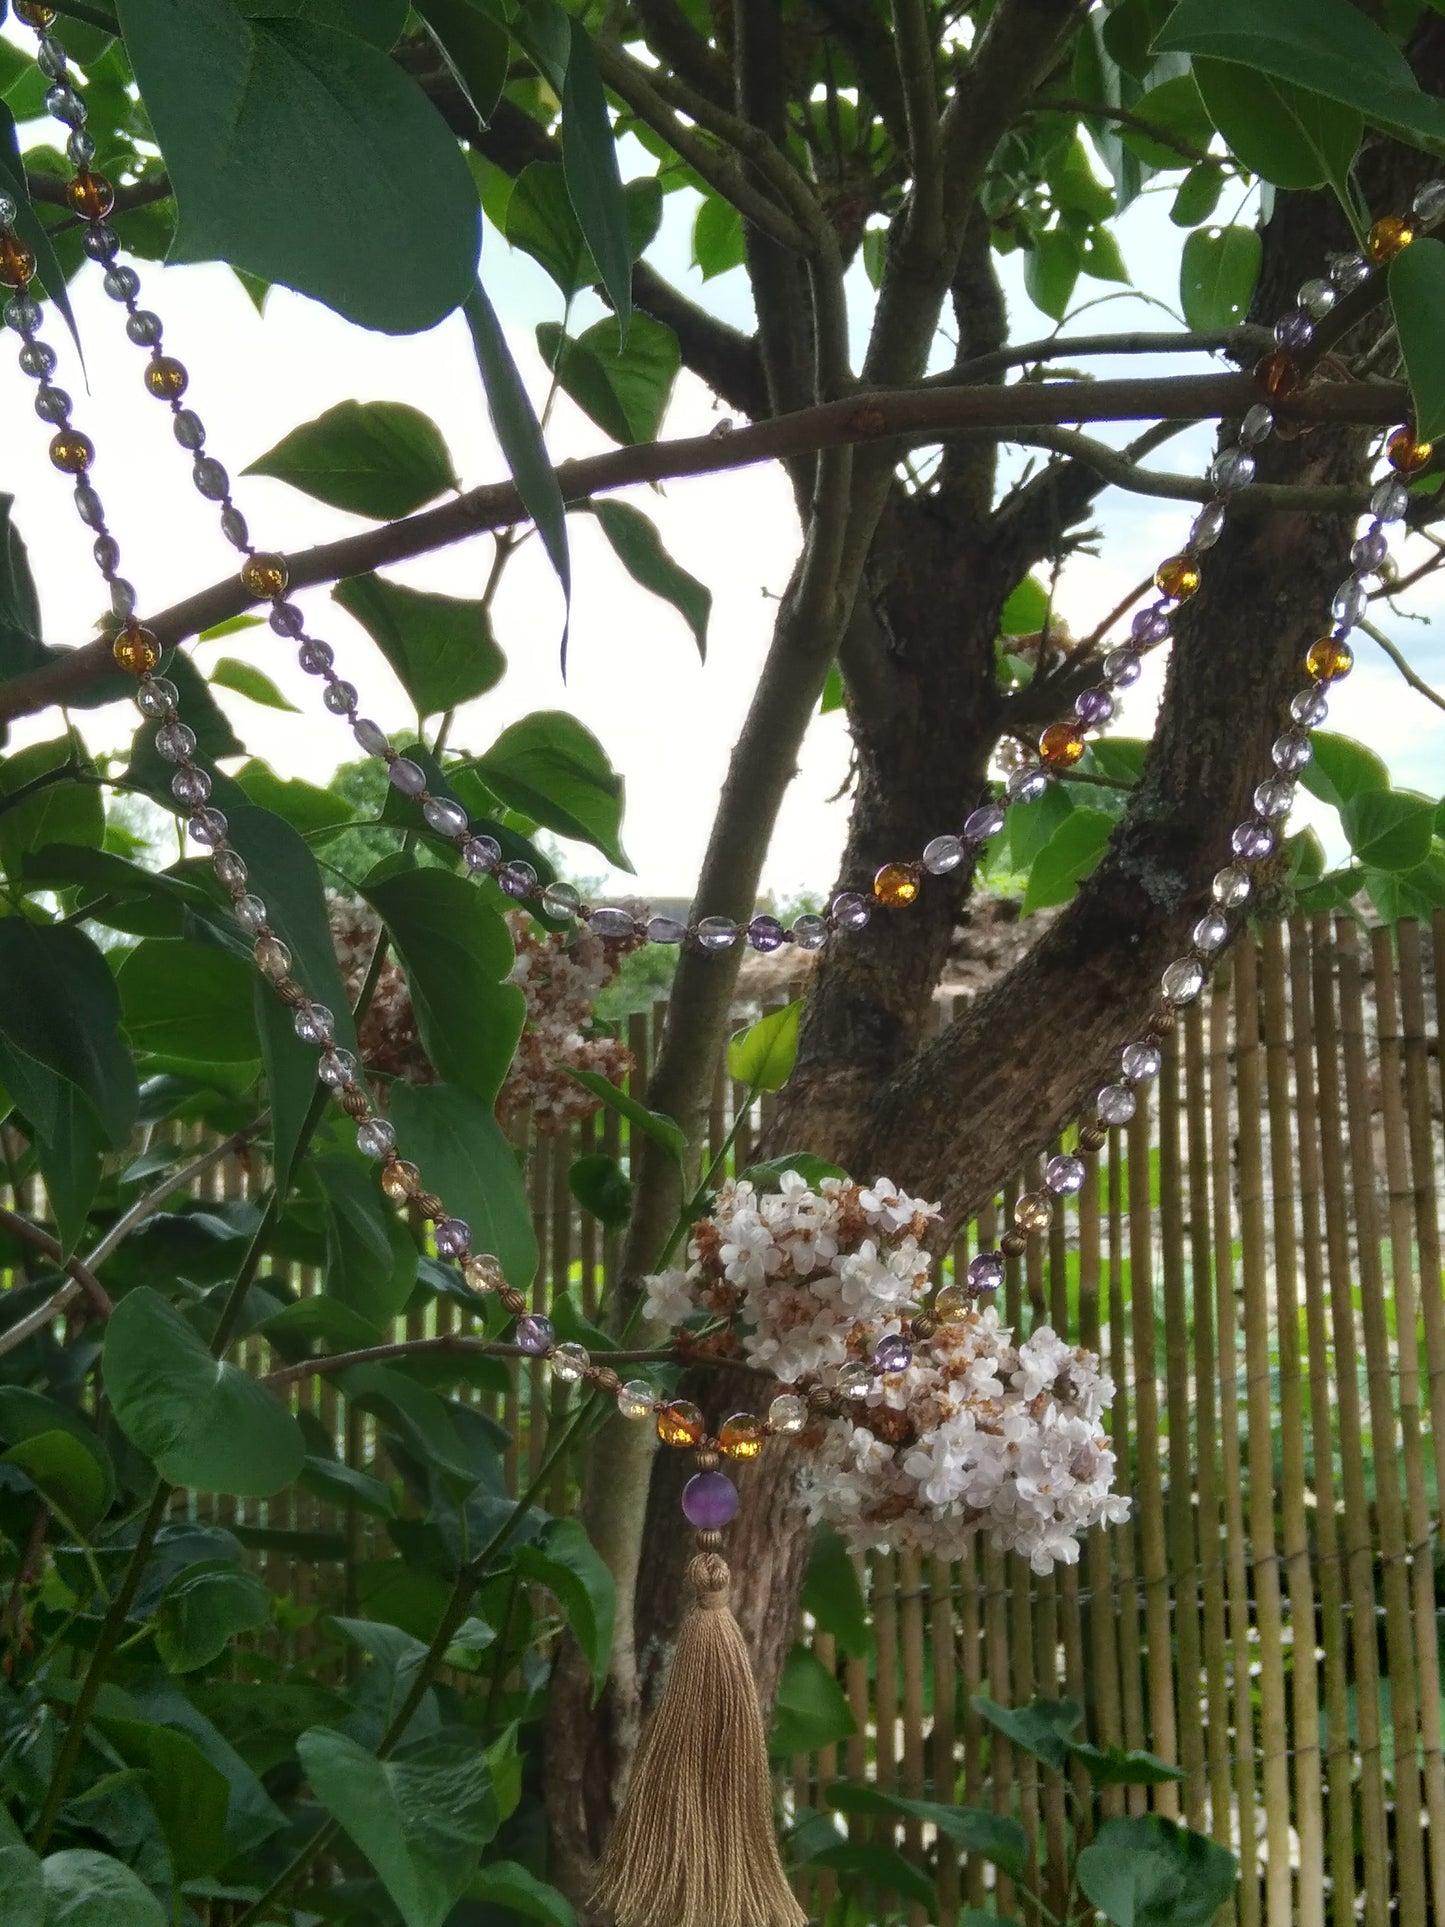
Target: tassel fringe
x,y
694,1844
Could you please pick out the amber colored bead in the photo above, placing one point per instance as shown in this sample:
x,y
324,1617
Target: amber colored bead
x,y
1093,1137
1277,375
17,263
1390,236
71,451
1329,659
91,196
1013,1244
1406,455
1061,745
741,1436
1178,577
34,14
399,1180
265,575
679,1423
897,885
136,649
166,378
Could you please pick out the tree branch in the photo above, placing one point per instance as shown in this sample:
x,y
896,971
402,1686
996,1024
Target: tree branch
x,y
1416,681
49,191
904,417
673,37
83,1281
917,76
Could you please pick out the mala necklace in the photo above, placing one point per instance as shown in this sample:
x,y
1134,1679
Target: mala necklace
x,y
694,1844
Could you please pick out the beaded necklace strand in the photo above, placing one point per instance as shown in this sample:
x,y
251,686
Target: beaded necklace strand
x,y
895,886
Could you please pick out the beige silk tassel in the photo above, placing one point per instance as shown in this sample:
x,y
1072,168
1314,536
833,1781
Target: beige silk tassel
x,y
694,1844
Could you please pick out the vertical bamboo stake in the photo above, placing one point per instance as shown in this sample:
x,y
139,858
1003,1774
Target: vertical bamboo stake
x,y
1359,1556
971,1653
911,1651
1226,1316
1000,1688
1107,1721
1417,1048
1329,1577
885,1693
1206,1464
943,1739
1389,1510
1127,1584
584,1144
1183,1553
1153,1550
1419,1562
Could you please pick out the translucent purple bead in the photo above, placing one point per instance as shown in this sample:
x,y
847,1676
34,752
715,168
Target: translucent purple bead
x,y
1274,797
1257,425
1116,1104
892,1354
534,1334
1252,841
444,816
765,934
1121,667
1352,600
1065,1175
717,933
942,855
519,880
370,736
810,932
709,1501
609,920
453,1238
482,853
1208,525
850,911
1093,706
985,1272
315,657
1294,330
1233,469
1290,752
987,820
1309,708
407,776
1140,1062
661,929
208,827
1026,784
1371,549
1150,626
1183,980
375,1138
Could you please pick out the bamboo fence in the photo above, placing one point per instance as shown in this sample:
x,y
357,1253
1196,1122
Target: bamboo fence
x,y
1260,1265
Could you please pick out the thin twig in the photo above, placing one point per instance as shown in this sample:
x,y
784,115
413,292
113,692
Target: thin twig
x,y
1415,680
1138,122
457,1343
79,1269
177,1180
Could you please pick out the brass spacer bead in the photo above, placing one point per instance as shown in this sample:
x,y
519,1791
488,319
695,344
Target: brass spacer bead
x,y
924,1326
708,1541
605,1379
1014,1243
512,1300
820,1398
1162,1020
355,1102
705,1459
430,1205
290,992
1093,1137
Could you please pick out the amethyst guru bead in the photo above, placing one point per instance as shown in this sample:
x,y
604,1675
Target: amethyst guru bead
x,y
709,1500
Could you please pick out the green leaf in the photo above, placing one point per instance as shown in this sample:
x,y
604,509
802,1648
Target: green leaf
x,y
992,1836
1417,296
811,1710
61,1015
638,547
1071,853
565,1561
421,1818
1073,187
589,160
21,1879
247,680
657,1125
1175,107
188,1004
185,1791
66,1475
1050,271
1283,133
1340,768
458,954
1325,46
539,218
552,769
1025,609
1114,1766
476,49
1148,1872
882,1867
601,1186
370,1260
1101,257
717,238
205,1423
764,1054
27,1416
305,807
833,1594
85,1889
1389,829
201,1611
1217,273
625,389
1198,195
1408,893
1041,1728
20,644
340,1485
246,111
506,1885
67,811
457,1141
376,458
28,225
441,647
765,1176
515,423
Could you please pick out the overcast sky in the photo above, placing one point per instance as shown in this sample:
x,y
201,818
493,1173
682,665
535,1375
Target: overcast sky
x,y
666,721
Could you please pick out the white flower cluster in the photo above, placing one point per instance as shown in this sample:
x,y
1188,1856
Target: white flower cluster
x,y
976,1433
561,981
